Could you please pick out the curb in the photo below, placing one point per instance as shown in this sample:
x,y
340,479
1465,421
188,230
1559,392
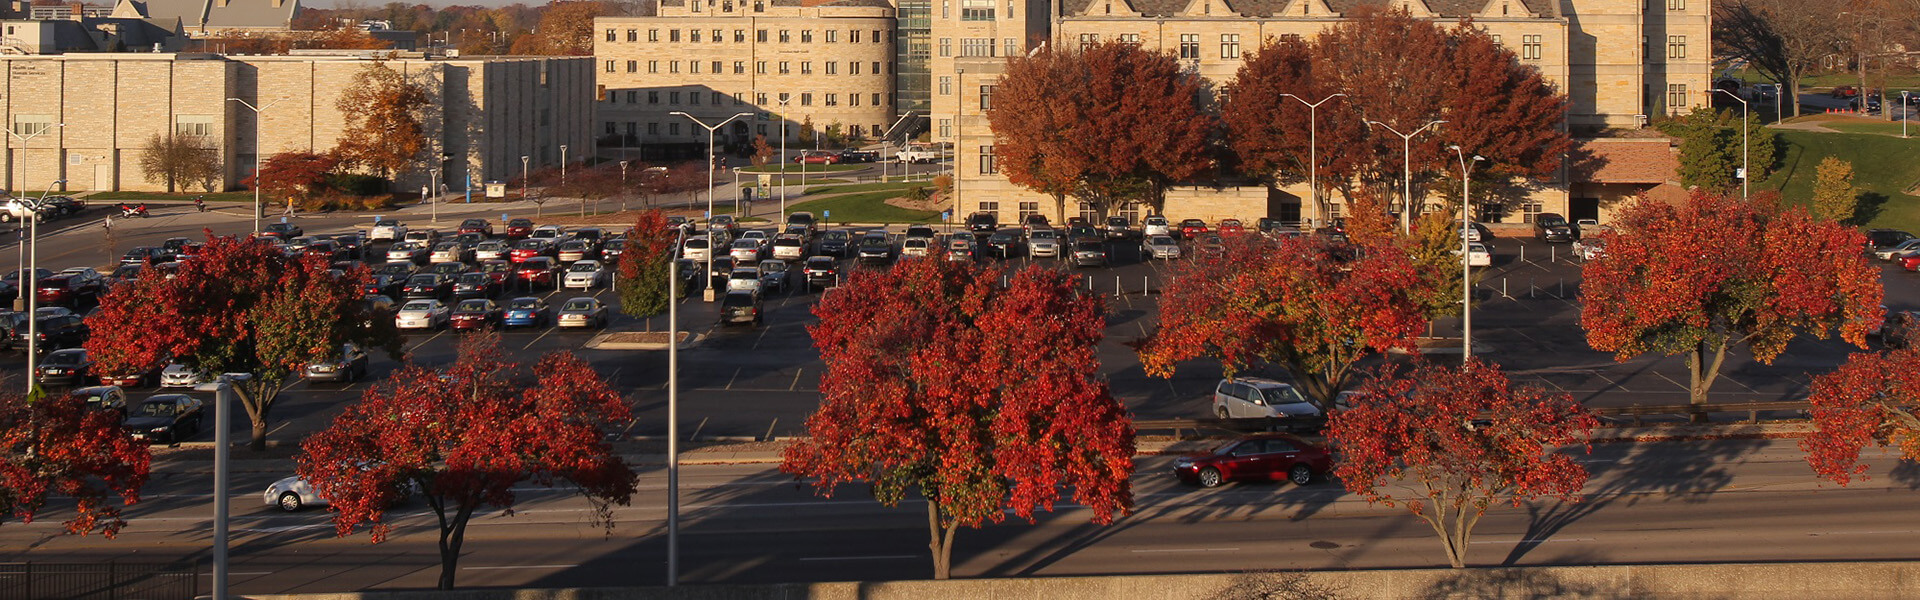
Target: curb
x,y
599,342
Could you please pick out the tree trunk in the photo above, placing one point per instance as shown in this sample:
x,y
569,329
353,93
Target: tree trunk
x,y
1437,517
257,398
453,533
1060,206
940,541
1703,367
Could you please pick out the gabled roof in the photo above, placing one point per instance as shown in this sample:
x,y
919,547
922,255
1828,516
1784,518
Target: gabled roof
x,y
1268,8
214,14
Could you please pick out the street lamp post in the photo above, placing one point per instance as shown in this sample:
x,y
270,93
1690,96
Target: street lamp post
x,y
707,294
1406,166
25,151
1746,174
623,186
525,161
32,289
1313,147
673,408
960,102
563,166
783,158
259,112
1466,254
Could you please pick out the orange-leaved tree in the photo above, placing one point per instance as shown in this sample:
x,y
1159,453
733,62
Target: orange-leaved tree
x,y
58,446
1450,443
1717,272
984,399
1315,309
464,436
384,132
1868,400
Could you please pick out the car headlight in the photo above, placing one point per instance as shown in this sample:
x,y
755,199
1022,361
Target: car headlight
x,y
159,430
1183,462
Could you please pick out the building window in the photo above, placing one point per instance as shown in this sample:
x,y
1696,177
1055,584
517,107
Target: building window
x,y
760,98
784,69
1676,47
739,98
715,68
762,129
853,100
1530,210
806,98
1028,209
187,125
673,128
876,68
946,128
806,36
1230,46
833,99
673,66
1190,46
1089,40
673,35
784,97
739,67
806,67
693,98
716,36
760,66
833,68
946,47
611,37
1010,47
1676,4
653,97
786,36
976,10
633,35
673,98
990,207
1291,38
976,47
853,36
946,9
653,128
717,97
946,85
853,67
653,35
1676,96
653,66
609,65
833,36
876,98
1530,47
987,166
633,97
693,66
740,36
986,98
760,36
693,35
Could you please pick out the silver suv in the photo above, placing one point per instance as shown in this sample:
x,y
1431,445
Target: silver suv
x,y
1256,398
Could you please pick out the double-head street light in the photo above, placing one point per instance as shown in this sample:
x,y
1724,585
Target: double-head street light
x,y
673,406
783,158
1313,146
1406,166
258,114
1466,253
525,162
623,187
25,151
707,294
31,283
1745,148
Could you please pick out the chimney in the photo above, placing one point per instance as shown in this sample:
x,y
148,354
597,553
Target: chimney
x,y
279,3
219,3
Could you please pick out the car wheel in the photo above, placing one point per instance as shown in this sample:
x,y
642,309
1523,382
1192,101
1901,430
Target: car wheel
x,y
289,501
1300,475
1221,412
1210,477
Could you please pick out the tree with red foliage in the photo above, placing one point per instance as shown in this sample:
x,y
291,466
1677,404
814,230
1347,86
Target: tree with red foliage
x,y
1869,400
647,265
1305,305
1109,123
59,446
240,306
984,399
1718,272
1451,443
463,437
297,175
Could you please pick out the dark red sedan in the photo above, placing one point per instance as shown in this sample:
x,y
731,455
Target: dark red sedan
x,y
519,228
1263,457
1192,228
529,248
538,271
477,313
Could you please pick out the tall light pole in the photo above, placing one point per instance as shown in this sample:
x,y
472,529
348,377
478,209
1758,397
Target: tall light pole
x,y
1904,108
32,290
258,114
563,166
673,406
1746,174
623,187
433,191
783,158
25,151
1313,146
707,294
525,162
960,102
1466,254
1406,166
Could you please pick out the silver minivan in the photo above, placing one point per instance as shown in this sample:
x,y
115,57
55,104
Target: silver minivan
x,y
1257,398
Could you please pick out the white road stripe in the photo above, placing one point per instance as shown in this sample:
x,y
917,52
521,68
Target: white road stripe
x,y
209,574
888,557
517,567
1534,541
1162,550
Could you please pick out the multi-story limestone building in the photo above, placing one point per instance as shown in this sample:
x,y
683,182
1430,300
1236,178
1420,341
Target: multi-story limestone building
x,y
1618,61
831,63
85,117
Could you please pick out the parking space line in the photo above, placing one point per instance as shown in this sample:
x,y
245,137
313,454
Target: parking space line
x,y
763,336
1742,385
1669,379
536,339
1611,382
796,380
736,375
425,341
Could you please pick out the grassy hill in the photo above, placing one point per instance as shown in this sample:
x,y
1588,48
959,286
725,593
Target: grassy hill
x,y
1883,166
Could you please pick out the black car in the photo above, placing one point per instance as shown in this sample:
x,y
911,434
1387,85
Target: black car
x,y
143,254
983,223
1007,243
353,244
65,367
169,418
1886,238
63,206
721,271
835,243
859,156
401,269
822,272
876,248
428,285
54,332
285,231
384,284
480,226
102,397
1118,228
475,285
610,252
1550,227
741,307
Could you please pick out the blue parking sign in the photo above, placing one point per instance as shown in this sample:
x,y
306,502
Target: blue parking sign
x,y
826,214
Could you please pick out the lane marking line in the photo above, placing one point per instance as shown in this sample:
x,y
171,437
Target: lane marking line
x,y
518,567
888,557
1167,550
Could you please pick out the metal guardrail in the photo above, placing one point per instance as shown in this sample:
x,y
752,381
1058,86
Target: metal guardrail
x,y
99,581
1637,412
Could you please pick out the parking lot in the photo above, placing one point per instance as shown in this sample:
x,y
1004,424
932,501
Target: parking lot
x,y
758,381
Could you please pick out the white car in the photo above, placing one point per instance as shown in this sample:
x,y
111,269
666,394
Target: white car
x,y
1156,226
1043,243
447,252
491,250
1896,251
1257,398
1590,249
696,249
915,247
585,274
293,493
789,247
403,252
1162,247
1471,230
387,231
422,314
744,279
1478,255
551,233
177,375
745,250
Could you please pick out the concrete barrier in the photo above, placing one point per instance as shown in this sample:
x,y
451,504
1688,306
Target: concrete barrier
x,y
1800,581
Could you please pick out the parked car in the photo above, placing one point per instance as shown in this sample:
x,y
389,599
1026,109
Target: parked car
x,y
1190,229
575,250
586,274
169,418
803,218
963,249
71,287
1119,228
550,233
1478,255
539,271
428,285
1162,247
741,307
475,313
1550,227
859,156
1896,251
983,223
282,231
876,248
1590,249
916,248
387,231
450,252
492,250
719,271
1257,398
53,332
695,248
1210,245
745,250
350,365
1007,243
480,226
583,311
1881,238
108,398
408,252
1474,232
530,248
1262,457
142,254
817,157
1089,253
774,275
788,246
611,251
1156,225
421,314
835,243
476,285
744,279
724,223
822,272
1232,227
1043,243
71,366
525,311
177,375
149,376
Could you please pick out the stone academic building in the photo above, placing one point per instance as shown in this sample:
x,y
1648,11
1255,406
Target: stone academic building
x,y
85,117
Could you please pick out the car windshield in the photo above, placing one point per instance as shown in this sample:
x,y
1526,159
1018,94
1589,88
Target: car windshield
x,y
473,223
418,305
531,244
475,278
520,223
546,233
473,305
773,265
836,236
1552,221
786,242
576,305
1088,247
754,235
616,244
1161,240
1156,221
1193,223
525,303
697,244
584,267
156,408
1043,235
1116,221
427,279
1000,238
745,244
874,242
737,300
916,243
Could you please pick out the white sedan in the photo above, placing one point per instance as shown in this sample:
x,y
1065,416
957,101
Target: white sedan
x,y
293,493
177,375
1898,250
585,274
1478,255
422,314
1162,247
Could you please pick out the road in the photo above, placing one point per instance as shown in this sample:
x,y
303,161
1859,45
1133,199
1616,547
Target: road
x,y
1707,501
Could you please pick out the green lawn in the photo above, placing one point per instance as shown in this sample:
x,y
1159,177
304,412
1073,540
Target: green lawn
x,y
1882,166
792,180
897,188
1868,126
213,197
792,168
869,207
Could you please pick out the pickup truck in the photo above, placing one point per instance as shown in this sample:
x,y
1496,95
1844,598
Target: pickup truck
x,y
918,154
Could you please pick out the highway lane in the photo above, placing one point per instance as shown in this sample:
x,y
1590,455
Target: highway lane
x,y
1708,501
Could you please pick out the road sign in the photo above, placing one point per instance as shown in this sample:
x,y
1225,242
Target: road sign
x,y
503,217
826,214
946,215
766,180
283,220
706,214
376,219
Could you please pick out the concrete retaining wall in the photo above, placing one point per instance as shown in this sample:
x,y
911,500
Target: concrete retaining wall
x,y
1799,581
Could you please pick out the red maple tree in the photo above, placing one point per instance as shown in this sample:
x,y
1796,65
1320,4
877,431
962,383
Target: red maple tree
x,y
1301,304
240,306
1718,272
646,265
298,175
57,446
1869,400
983,399
1450,443
463,436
